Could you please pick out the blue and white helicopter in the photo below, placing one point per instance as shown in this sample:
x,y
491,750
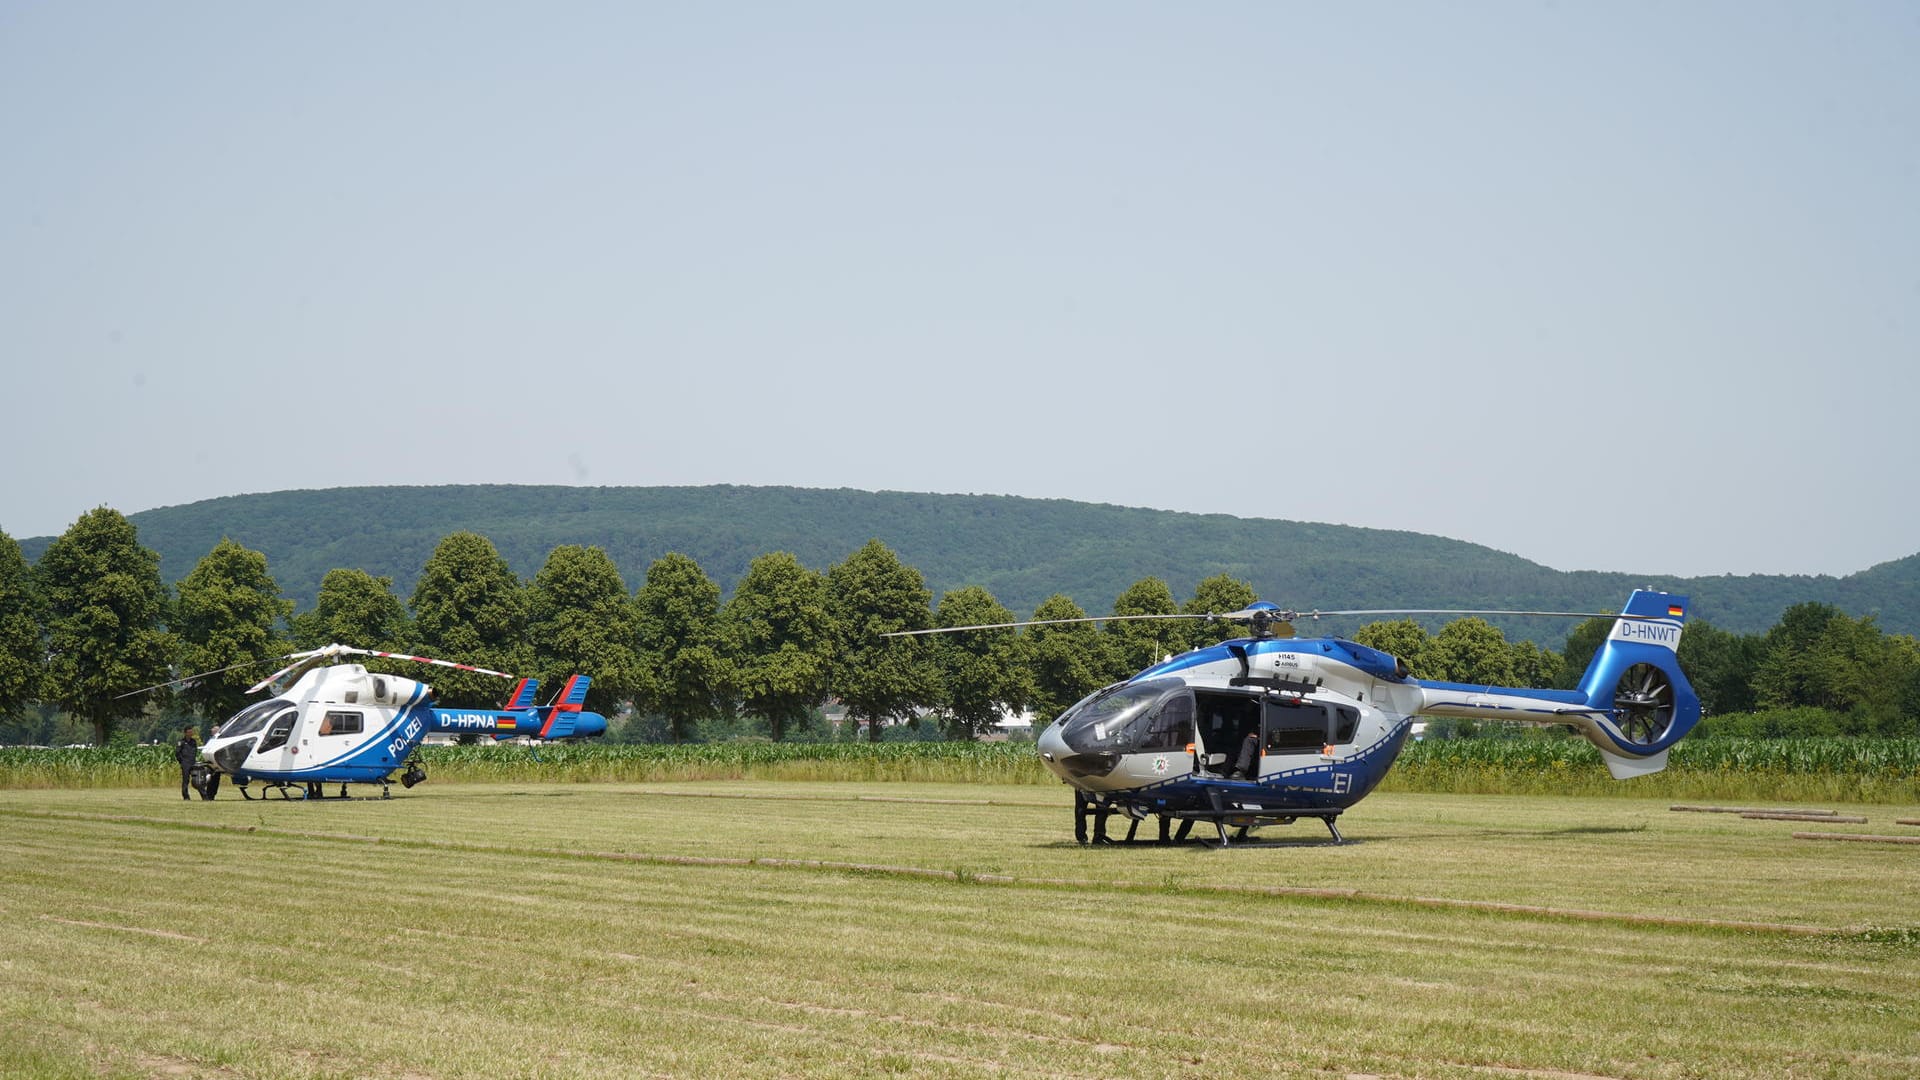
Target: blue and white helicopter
x,y
342,724
1268,729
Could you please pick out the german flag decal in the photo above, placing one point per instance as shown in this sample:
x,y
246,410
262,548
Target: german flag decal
x,y
1676,610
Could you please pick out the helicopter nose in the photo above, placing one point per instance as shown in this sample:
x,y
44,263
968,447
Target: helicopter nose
x,y
1053,748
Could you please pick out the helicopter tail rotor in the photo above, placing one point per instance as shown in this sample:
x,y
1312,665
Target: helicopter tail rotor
x,y
1640,701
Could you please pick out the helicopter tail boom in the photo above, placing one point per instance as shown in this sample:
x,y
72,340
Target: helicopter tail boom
x,y
1633,703
565,717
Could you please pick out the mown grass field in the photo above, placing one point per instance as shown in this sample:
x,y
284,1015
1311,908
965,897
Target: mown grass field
x,y
764,928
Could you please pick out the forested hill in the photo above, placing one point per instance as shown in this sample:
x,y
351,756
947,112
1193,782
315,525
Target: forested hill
x,y
1022,550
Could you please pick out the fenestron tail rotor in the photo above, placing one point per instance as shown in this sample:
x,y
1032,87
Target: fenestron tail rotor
x,y
1643,704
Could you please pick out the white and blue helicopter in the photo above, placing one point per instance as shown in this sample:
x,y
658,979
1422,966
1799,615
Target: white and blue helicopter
x,y
342,724
1268,729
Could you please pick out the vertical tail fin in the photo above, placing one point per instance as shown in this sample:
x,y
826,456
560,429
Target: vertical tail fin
x,y
567,717
523,694
1640,700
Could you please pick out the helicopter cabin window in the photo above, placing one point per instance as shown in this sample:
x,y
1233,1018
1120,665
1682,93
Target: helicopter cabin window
x,y
341,723
1171,725
1127,719
250,719
279,730
1303,726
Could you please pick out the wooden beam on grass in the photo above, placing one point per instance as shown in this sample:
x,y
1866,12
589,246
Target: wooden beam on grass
x,y
1751,810
1863,838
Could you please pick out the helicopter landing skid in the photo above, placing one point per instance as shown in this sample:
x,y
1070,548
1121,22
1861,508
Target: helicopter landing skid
x,y
1242,822
291,791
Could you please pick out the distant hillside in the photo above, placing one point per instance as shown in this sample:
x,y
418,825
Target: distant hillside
x,y
1022,550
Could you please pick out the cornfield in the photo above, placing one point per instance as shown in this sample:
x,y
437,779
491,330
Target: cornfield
x,y
1852,769
1847,769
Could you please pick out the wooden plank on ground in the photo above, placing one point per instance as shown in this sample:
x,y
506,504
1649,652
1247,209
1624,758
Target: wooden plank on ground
x,y
1864,838
1788,815
1752,810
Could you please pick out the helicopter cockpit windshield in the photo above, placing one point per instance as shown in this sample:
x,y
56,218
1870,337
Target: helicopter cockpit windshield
x,y
252,718
1153,715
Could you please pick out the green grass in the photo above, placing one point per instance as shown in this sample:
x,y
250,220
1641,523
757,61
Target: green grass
x,y
520,929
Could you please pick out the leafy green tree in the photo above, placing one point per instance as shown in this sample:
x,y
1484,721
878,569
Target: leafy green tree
x,y
1790,671
779,641
354,608
1533,666
1402,638
105,606
1848,667
1582,643
580,621
880,678
228,616
1888,698
1138,644
678,643
21,616
1469,650
1720,666
1070,660
1215,595
986,673
469,607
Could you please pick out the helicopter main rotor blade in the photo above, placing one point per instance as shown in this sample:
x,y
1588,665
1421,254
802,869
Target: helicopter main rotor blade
x,y
190,678
1278,615
1465,611
1044,622
300,660
428,660
327,652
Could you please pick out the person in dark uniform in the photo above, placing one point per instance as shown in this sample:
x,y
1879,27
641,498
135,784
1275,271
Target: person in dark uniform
x,y
187,753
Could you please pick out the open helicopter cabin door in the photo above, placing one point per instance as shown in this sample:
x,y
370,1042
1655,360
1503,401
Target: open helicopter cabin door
x,y
1244,736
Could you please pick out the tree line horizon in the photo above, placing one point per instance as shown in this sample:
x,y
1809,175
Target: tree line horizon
x,y
91,621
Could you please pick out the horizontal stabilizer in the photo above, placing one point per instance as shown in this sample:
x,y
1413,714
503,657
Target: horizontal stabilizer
x,y
1626,768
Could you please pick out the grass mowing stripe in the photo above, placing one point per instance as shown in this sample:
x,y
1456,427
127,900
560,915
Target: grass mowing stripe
x,y
1357,896
1057,804
128,929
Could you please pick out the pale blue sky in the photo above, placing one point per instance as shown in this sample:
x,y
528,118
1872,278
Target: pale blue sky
x,y
1610,286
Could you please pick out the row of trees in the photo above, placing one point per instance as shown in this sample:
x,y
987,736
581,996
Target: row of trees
x,y
91,622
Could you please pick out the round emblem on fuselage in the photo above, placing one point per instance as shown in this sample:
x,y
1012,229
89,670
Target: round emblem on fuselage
x,y
1160,764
